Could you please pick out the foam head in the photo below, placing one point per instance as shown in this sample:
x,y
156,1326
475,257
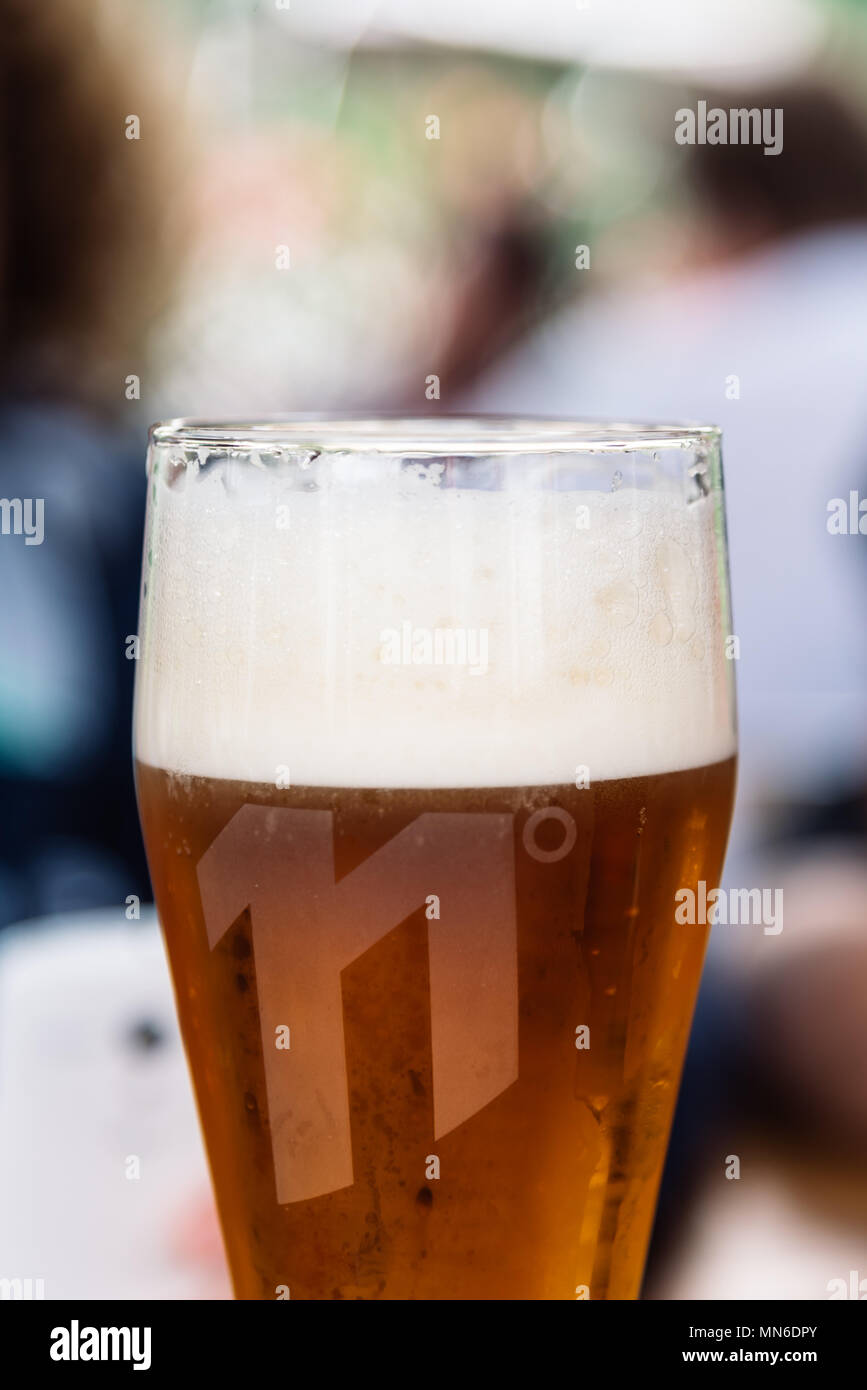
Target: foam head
x,y
358,620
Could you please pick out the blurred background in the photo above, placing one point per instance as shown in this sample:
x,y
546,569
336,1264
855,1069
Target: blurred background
x,y
217,207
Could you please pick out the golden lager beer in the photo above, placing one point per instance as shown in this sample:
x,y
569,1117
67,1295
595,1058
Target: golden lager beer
x,y
431,728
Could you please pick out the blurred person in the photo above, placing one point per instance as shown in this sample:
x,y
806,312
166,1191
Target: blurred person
x,y
81,272
86,244
762,334
765,339
494,299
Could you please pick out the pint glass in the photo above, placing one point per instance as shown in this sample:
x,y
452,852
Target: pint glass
x,y
434,728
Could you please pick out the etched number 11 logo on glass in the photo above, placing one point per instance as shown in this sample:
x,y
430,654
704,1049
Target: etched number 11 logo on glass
x,y
433,721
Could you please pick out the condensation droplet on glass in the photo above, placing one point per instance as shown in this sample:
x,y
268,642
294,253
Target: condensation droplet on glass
x,y
685,629
619,602
176,473
661,630
699,482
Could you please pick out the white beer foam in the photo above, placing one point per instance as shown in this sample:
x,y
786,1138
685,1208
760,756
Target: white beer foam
x,y
265,632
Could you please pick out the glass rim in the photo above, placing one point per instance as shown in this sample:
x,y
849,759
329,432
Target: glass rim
x,y
430,435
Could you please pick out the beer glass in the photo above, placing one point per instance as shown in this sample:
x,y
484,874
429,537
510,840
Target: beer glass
x,y
434,727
